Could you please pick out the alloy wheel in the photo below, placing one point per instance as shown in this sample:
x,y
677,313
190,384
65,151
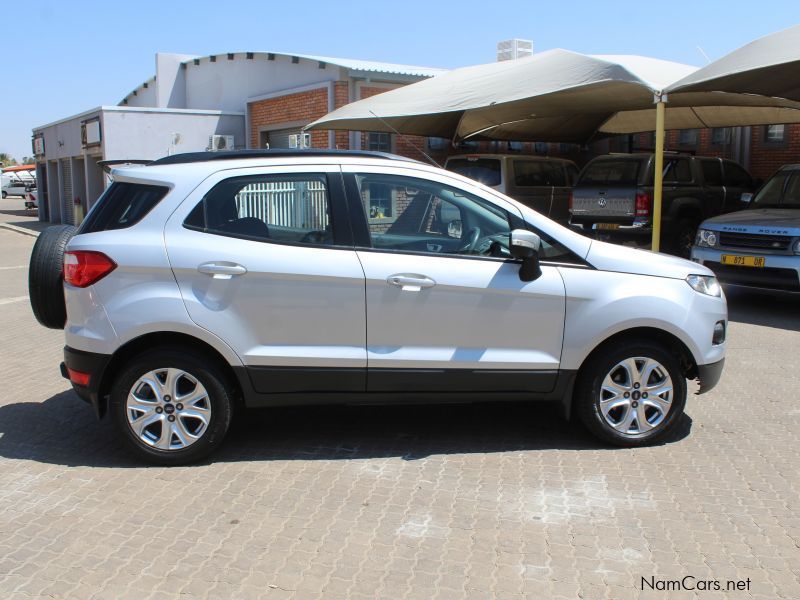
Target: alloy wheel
x,y
636,395
168,409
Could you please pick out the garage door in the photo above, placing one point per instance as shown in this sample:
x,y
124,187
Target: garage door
x,y
279,138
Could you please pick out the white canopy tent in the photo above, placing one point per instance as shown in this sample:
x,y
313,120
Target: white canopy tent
x,y
562,96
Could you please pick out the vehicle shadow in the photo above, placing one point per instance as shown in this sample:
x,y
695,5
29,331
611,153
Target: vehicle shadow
x,y
62,430
762,308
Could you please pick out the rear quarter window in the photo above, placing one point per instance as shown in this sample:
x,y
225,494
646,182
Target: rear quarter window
x,y
122,205
483,170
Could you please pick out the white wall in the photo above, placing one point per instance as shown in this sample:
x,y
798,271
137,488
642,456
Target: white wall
x,y
170,80
151,135
145,97
226,84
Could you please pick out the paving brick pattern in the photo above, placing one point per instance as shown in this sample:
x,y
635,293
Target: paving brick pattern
x,y
414,502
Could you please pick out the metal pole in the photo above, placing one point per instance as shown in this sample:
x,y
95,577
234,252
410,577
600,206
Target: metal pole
x,y
658,179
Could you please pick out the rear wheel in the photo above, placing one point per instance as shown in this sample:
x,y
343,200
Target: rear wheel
x,y
5,194
632,396
171,407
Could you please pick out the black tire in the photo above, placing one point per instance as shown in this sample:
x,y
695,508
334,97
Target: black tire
x,y
683,240
588,393
220,403
5,195
46,276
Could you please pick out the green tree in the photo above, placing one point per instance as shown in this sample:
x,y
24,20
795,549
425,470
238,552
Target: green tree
x,y
6,160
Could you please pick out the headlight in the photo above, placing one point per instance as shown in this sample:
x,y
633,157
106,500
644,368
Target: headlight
x,y
706,238
797,247
705,284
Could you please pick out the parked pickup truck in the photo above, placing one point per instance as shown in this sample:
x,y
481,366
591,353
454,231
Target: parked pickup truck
x,y
614,197
758,247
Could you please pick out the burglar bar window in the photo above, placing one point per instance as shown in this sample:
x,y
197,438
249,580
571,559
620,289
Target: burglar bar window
x,y
687,137
774,134
379,142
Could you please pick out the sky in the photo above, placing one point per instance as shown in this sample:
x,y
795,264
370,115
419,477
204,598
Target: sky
x,y
62,58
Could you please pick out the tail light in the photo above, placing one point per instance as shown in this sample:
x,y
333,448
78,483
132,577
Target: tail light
x,y
79,377
82,268
569,201
642,204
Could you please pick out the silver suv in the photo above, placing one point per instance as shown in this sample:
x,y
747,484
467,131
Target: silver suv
x,y
270,278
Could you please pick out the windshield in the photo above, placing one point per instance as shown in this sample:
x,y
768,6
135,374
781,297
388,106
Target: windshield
x,y
483,170
781,191
611,172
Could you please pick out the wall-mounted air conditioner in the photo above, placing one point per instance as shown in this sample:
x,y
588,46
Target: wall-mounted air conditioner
x,y
300,140
220,142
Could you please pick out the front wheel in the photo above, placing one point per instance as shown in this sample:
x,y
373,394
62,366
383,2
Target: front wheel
x,y
171,407
632,396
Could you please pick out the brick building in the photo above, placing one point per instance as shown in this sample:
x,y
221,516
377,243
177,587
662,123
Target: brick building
x,y
260,99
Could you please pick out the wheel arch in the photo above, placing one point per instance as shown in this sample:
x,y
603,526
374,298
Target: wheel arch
x,y
648,334
162,339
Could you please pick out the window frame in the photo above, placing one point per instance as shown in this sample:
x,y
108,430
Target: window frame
x,y
337,207
389,136
774,143
363,239
725,166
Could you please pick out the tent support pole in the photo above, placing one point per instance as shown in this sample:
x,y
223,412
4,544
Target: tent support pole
x,y
658,179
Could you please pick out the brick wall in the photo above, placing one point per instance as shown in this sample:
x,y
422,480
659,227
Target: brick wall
x,y
766,157
302,106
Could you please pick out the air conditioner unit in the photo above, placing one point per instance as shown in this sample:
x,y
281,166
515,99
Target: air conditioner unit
x,y
300,140
220,142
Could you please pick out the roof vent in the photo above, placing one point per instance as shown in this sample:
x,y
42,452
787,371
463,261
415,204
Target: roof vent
x,y
513,49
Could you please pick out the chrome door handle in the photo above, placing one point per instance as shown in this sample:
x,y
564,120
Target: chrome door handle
x,y
410,282
221,270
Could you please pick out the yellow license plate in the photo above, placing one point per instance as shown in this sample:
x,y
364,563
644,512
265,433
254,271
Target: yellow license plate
x,y
608,226
743,261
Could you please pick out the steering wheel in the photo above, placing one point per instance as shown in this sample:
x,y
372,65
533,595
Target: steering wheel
x,y
314,237
473,236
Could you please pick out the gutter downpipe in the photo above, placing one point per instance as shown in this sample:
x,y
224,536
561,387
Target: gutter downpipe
x,y
660,100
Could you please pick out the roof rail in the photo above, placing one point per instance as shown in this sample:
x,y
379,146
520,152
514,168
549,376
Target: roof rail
x,y
194,157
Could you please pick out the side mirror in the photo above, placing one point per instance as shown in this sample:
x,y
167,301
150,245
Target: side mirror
x,y
746,197
525,245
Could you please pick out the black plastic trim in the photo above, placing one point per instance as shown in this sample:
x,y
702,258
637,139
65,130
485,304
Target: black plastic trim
x,y
195,157
292,380
709,375
460,380
87,362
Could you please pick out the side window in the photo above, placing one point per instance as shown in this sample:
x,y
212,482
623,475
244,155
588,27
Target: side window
x,y
530,173
677,170
432,217
712,172
278,208
122,205
736,176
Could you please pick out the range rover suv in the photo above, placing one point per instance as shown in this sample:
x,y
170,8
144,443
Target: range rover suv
x,y
758,247
266,278
613,198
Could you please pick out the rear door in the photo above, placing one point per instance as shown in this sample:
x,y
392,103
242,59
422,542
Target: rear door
x,y
737,182
713,185
534,182
446,310
264,260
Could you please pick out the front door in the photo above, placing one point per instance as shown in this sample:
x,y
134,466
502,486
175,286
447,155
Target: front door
x,y
446,310
264,260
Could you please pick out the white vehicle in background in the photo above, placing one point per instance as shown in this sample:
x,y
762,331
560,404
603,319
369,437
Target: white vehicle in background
x,y
18,180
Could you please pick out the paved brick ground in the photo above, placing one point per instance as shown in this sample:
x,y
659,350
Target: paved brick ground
x,y
417,502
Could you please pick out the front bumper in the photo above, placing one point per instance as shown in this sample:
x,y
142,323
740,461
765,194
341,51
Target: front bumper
x,y
709,375
781,272
95,365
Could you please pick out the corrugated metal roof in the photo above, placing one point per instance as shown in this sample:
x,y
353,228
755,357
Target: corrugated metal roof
x,y
371,65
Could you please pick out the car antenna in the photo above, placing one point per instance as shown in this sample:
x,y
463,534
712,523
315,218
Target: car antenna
x,y
425,154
